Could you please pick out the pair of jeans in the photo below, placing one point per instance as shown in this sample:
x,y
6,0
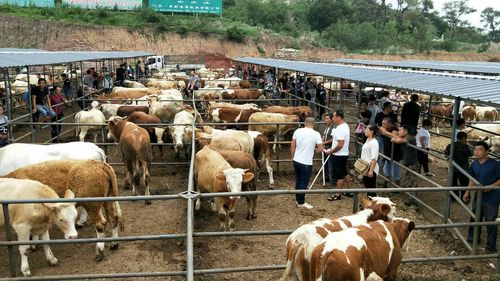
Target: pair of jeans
x,y
302,175
392,170
487,213
44,110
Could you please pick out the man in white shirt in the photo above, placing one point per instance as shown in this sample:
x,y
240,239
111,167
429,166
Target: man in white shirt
x,y
423,141
305,142
340,151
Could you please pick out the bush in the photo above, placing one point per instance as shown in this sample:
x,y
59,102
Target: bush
x,y
235,33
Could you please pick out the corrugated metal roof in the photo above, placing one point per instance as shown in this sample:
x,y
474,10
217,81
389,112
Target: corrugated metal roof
x,y
472,89
489,68
32,57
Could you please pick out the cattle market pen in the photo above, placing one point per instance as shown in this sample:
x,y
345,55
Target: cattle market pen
x,y
355,74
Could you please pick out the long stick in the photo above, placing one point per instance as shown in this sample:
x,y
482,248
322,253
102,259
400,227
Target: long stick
x,y
319,172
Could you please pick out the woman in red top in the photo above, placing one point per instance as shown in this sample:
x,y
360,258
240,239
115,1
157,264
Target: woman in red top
x,y
57,100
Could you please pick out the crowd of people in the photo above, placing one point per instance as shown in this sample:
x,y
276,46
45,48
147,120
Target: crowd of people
x,y
381,132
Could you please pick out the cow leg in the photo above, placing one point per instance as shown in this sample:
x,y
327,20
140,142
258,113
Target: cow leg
x,y
83,132
146,179
249,207
275,142
113,213
48,252
80,223
221,212
269,169
127,169
95,210
231,216
254,207
197,204
34,247
23,234
95,137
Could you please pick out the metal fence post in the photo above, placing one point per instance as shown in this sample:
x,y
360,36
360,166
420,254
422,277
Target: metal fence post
x,y
451,168
8,236
30,106
475,239
277,149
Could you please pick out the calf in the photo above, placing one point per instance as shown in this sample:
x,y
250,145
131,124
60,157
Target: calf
x,y
214,174
126,110
86,178
276,130
356,253
37,218
301,242
93,116
17,155
243,160
135,148
262,154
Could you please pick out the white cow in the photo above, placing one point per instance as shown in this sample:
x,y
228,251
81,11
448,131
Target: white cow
x,y
109,109
181,132
36,219
166,105
492,137
487,113
17,155
93,116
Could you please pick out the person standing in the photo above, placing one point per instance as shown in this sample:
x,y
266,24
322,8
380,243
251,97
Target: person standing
x,y
88,79
327,144
68,93
41,102
387,112
340,151
57,100
321,97
139,70
120,74
411,113
391,150
373,108
369,153
384,99
305,142
424,142
487,172
461,155
194,83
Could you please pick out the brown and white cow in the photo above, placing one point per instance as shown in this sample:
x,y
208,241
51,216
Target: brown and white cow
x,y
214,174
440,111
358,252
302,111
231,115
137,155
469,113
156,134
262,154
270,130
86,178
245,161
36,219
181,132
301,243
227,139
486,113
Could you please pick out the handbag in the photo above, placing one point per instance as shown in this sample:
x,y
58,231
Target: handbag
x,y
361,167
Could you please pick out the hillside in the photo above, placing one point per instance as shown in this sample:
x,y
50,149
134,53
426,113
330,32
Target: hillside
x,y
27,32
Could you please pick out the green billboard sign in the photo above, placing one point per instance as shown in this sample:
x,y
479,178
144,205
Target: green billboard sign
x,y
25,3
92,4
187,6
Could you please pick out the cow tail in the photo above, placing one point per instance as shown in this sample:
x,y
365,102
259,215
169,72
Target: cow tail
x,y
113,192
77,120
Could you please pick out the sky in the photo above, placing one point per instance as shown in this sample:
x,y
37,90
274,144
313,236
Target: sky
x,y
475,18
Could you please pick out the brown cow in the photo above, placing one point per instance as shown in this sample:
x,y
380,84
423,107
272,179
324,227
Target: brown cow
x,y
231,115
126,110
241,94
135,147
243,160
262,154
302,111
86,178
156,134
439,111
270,130
358,252
469,113
214,174
245,84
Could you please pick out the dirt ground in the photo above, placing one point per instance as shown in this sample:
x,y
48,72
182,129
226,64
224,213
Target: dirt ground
x,y
274,213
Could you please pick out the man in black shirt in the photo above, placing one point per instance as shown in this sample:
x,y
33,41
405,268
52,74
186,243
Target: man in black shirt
x,y
390,149
68,93
461,155
410,114
41,102
120,74
387,113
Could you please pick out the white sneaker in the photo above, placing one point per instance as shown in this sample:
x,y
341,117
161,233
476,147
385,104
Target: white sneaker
x,y
429,174
305,206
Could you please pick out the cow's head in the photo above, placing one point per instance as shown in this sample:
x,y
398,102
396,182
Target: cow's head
x,y
403,228
383,208
161,134
234,177
64,216
112,124
177,133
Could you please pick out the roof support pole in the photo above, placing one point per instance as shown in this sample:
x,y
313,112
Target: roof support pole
x,y
295,103
429,109
8,100
451,169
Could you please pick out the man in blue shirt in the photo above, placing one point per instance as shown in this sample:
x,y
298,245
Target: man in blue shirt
x,y
487,172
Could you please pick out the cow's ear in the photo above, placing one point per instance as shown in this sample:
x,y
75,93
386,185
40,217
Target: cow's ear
x,y
365,203
247,176
386,209
220,177
411,226
69,194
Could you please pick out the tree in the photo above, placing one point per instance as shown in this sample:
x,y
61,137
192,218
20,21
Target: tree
x,y
491,20
403,7
454,10
323,13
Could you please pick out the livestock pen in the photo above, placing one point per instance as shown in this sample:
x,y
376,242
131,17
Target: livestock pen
x,y
168,240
